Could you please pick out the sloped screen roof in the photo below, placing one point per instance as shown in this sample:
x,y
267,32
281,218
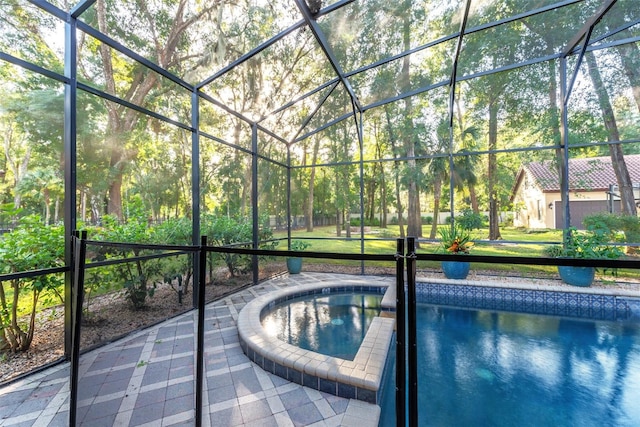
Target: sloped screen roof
x,y
354,55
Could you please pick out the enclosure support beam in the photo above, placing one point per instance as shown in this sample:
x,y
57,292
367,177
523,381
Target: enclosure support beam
x,y
289,197
77,295
195,191
361,164
326,48
401,332
412,359
254,200
452,99
586,29
199,353
70,168
564,133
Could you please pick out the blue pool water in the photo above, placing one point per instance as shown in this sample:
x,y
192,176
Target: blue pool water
x,y
332,324
484,368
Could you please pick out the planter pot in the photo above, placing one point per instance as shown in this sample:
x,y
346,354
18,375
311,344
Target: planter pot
x,y
456,269
294,265
577,276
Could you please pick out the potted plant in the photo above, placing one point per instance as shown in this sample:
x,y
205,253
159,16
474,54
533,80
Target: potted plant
x,y
455,240
590,244
294,264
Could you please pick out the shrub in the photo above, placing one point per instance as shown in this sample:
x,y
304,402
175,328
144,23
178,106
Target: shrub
x,y
590,244
428,220
355,222
30,246
225,231
617,227
139,281
470,220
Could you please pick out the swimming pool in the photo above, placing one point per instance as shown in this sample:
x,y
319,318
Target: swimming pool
x,y
333,324
481,367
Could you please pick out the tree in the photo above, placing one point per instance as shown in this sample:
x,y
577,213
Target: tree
x,y
438,170
625,185
43,184
166,35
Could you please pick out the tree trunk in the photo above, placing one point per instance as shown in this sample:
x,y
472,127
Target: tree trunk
x,y
630,58
347,223
115,196
414,226
627,197
383,198
494,219
312,182
555,124
473,197
396,173
437,194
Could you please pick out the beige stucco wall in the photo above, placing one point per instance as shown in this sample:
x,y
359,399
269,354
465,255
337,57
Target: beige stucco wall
x,y
532,199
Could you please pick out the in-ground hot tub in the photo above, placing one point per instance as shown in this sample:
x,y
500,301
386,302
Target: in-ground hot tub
x,y
359,378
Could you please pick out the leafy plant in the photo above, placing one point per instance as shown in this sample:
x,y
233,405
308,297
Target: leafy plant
x,y
470,220
618,227
299,245
30,246
590,244
175,231
225,231
455,239
137,277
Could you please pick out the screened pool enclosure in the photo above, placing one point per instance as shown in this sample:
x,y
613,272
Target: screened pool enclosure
x,y
257,122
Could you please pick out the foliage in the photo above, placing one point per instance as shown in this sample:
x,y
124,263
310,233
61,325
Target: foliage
x,y
615,224
139,280
427,220
30,246
590,244
176,231
455,239
226,231
299,245
470,220
368,222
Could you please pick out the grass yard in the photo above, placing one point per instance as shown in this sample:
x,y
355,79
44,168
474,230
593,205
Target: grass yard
x,y
515,242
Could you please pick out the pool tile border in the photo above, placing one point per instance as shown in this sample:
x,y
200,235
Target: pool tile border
x,y
359,378
581,302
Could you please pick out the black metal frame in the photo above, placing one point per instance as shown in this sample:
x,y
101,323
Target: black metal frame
x,y
69,79
406,340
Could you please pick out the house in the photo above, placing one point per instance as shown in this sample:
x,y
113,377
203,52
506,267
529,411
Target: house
x,y
592,188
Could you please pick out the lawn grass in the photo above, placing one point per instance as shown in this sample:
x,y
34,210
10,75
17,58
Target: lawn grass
x,y
516,242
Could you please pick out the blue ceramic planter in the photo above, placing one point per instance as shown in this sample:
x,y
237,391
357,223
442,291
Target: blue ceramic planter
x,y
577,276
456,269
294,265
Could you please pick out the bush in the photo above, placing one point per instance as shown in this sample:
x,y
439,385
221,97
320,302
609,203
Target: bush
x,y
30,246
590,244
617,227
139,281
428,220
226,231
507,222
355,222
470,220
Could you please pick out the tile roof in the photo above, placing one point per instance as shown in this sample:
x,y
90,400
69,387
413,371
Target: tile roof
x,y
589,174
